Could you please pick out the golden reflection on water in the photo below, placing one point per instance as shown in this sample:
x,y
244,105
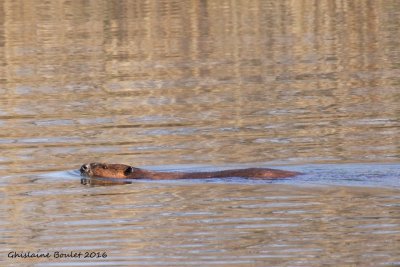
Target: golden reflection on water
x,y
199,82
196,224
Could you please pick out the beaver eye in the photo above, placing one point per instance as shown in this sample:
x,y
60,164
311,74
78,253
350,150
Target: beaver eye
x,y
105,167
128,171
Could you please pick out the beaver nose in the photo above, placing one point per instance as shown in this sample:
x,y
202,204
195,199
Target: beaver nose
x,y
84,168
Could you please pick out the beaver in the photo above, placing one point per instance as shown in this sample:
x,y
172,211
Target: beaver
x,y
122,171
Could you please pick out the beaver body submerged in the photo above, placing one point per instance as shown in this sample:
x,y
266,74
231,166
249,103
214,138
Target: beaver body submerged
x,y
121,171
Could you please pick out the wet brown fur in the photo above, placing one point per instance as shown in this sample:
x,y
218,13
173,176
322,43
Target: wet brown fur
x,y
121,171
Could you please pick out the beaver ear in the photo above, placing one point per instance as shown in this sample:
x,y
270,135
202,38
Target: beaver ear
x,y
128,171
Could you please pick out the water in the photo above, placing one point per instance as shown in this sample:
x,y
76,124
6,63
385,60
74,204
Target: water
x,y
175,223
171,85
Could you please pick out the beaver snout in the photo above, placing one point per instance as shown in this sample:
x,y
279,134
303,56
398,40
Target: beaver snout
x,y
85,168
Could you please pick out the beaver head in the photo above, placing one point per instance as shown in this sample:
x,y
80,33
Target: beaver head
x,y
106,170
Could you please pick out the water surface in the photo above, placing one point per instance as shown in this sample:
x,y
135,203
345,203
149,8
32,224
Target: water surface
x,y
311,86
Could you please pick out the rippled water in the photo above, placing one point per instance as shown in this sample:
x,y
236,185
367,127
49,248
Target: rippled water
x,y
311,86
203,223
